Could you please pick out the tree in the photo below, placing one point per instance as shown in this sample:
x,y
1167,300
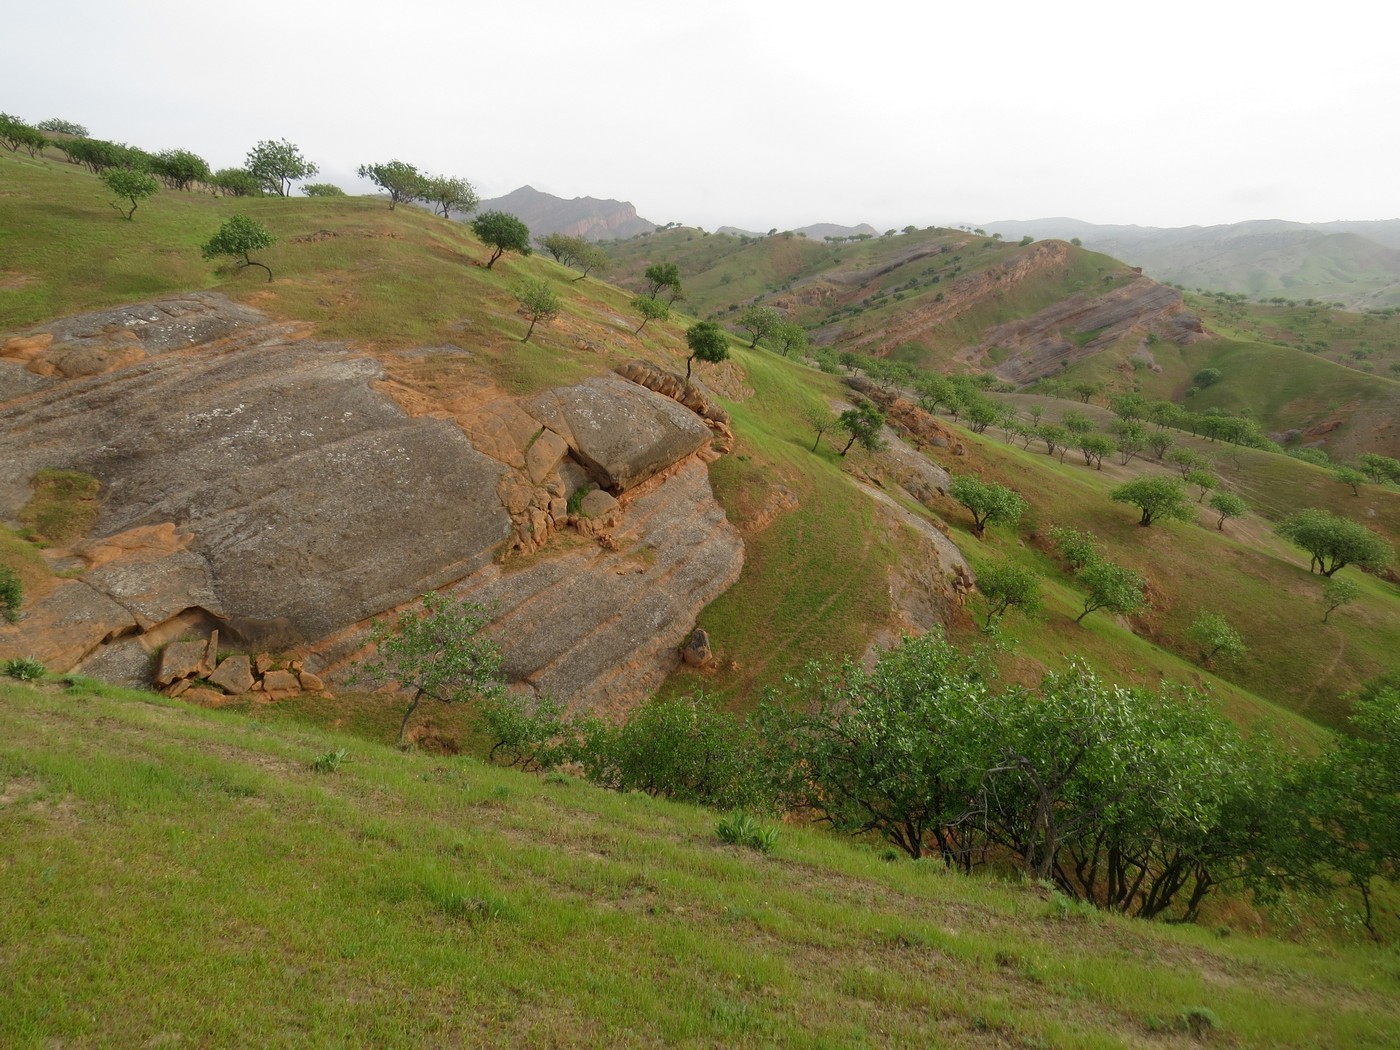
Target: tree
x,y
322,189
1186,460
1337,592
1333,542
59,126
990,503
238,236
237,182
1131,440
863,423
15,135
1351,477
1077,423
663,276
1379,468
1203,480
564,249
651,310
707,341
1227,505
1158,498
276,165
134,185
11,595
1054,436
591,257
538,301
789,338
759,322
1006,586
1213,636
1095,447
1078,548
179,168
401,181
447,194
1085,391
820,420
503,232
440,650
1113,587
1207,377
1159,441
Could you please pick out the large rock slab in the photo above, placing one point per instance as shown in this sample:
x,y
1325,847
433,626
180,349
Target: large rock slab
x,y
158,589
623,433
65,626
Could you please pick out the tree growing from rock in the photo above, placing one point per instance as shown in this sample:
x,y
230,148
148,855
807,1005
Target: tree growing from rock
x,y
501,232
278,164
989,503
707,341
863,423
1159,499
236,237
1004,587
538,301
439,650
1334,542
1337,592
135,186
1214,637
402,181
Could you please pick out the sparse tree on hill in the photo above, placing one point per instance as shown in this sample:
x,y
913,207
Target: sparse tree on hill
x,y
1005,586
179,168
562,248
502,232
238,236
1053,435
447,194
1113,587
1203,480
1095,447
1227,505
651,310
820,420
1186,460
135,186
1159,499
237,182
58,126
16,135
989,503
1077,548
1350,477
863,423
789,339
663,277
591,257
439,651
1337,592
759,322
1131,440
538,301
11,595
1086,391
1334,542
1380,468
322,189
1159,441
1076,422
403,182
1214,637
707,341
278,164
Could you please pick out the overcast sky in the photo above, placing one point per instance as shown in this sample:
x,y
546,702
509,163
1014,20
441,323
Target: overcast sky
x,y
763,114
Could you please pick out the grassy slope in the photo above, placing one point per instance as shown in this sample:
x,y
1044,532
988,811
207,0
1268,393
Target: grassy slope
x,y
178,875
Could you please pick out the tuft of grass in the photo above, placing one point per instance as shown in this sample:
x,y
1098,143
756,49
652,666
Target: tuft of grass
x,y
23,668
63,505
740,829
330,761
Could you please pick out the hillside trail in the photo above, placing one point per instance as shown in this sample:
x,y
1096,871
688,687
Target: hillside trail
x,y
1325,675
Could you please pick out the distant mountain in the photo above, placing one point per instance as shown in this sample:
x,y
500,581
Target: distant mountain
x,y
816,232
1355,263
586,217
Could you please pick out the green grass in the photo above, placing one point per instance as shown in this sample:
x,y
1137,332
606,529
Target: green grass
x,y
176,875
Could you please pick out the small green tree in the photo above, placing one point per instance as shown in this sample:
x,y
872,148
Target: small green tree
x,y
863,423
820,420
538,301
502,232
563,248
322,189
1077,548
1005,586
179,168
651,310
707,341
989,502
237,182
238,236
403,182
1207,377
1336,592
789,338
1334,542
759,322
1379,468
1186,460
11,595
1113,587
1350,477
448,194
1159,499
134,185
440,650
1094,447
663,277
1203,480
1159,441
59,126
1227,505
1214,637
278,164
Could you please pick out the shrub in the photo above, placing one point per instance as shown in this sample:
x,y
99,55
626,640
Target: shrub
x,y
26,669
11,595
740,829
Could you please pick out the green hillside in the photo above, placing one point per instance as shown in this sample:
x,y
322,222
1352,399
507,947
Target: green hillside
x,y
180,876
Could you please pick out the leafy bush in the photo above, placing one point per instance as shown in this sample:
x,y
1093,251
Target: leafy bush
x,y
525,734
26,669
11,595
322,189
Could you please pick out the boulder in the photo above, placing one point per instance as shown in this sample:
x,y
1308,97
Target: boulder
x,y
281,681
697,652
598,504
623,433
65,626
544,456
180,660
156,589
310,682
234,675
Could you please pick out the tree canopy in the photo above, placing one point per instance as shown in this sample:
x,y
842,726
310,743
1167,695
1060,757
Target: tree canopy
x,y
538,301
1334,542
135,186
401,181
707,341
237,236
863,423
448,194
663,277
501,232
1113,587
278,164
1159,499
990,503
759,322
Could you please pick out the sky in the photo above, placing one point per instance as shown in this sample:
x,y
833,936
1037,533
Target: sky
x,y
763,114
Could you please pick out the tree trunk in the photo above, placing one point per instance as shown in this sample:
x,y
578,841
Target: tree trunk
x,y
403,726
